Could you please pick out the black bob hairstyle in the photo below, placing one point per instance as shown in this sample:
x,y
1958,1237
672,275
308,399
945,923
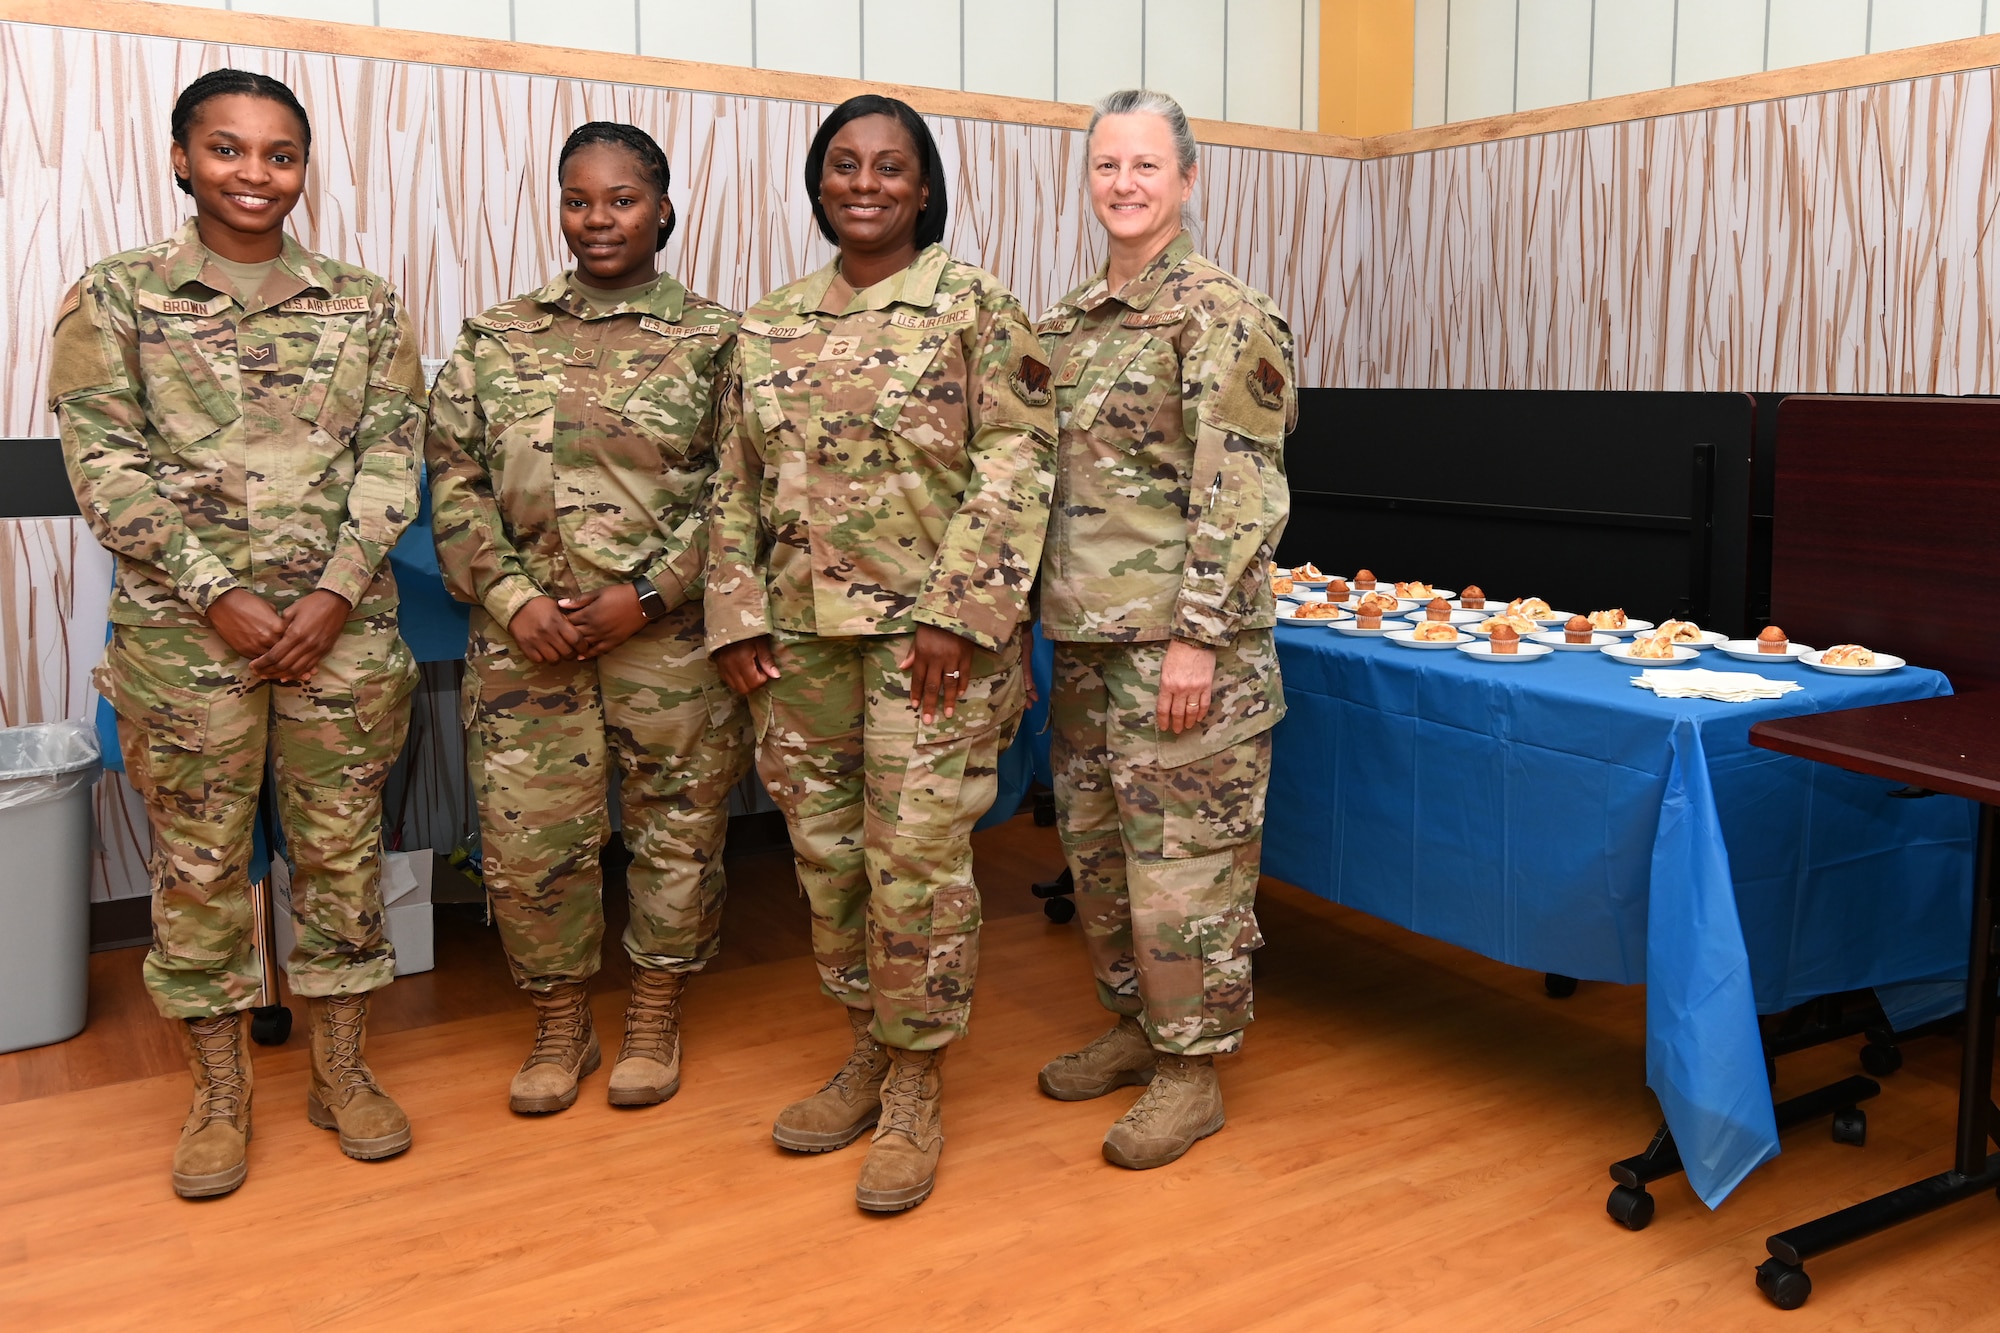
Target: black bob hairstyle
x,y
224,83
652,159
930,222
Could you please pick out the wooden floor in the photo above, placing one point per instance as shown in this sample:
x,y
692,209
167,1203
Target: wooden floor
x,y
1417,1139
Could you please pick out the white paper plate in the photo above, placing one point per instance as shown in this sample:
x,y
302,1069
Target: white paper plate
x,y
1745,650
1472,627
1622,652
1402,638
1599,639
1302,595
1314,585
1487,608
1884,664
1353,626
1312,620
1483,652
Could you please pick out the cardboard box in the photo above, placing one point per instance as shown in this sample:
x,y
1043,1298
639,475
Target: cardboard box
x,y
406,900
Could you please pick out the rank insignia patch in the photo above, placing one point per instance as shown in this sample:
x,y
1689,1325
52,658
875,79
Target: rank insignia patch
x,y
1267,385
1030,382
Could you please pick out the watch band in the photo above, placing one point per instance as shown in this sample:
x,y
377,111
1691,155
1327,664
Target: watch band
x,y
651,604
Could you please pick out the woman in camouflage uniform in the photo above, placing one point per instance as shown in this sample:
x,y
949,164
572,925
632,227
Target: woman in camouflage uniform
x,y
572,434
1174,389
878,516
240,419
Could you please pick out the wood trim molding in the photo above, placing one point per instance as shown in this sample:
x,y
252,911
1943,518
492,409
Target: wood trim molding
x,y
150,19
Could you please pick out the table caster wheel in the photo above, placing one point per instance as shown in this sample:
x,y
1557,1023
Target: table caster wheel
x,y
1850,1125
1060,910
1630,1207
1786,1284
1558,986
270,1025
1883,1059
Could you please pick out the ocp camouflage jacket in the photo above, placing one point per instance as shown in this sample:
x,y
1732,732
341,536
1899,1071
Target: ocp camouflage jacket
x,y
215,445
569,447
1174,394
887,464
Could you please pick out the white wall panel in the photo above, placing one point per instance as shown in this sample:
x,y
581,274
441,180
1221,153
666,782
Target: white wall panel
x,y
1184,52
1427,84
1804,32
467,18
1552,64
696,30
1717,39
1633,49
331,11
1264,62
1894,24
810,36
1309,68
595,25
1098,47
910,41
1010,48
1481,73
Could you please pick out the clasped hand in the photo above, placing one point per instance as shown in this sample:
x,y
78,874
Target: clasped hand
x,y
939,663
582,627
283,646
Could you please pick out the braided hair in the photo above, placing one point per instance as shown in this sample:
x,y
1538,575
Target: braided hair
x,y
225,83
652,159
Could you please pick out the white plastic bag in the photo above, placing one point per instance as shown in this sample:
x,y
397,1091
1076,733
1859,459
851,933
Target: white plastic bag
x,y
46,762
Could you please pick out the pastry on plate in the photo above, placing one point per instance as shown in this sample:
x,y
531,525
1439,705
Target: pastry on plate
x,y
1281,583
1612,619
1679,631
1848,655
1473,598
1337,590
1370,610
1771,639
1654,647
1365,580
1435,631
1576,630
1506,640
1416,590
1534,608
1308,571
1317,611
1437,608
1520,624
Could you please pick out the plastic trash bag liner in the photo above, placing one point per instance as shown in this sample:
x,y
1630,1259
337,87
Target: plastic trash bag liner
x,y
46,762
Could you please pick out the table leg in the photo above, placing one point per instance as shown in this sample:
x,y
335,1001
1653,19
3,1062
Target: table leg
x,y
1973,1170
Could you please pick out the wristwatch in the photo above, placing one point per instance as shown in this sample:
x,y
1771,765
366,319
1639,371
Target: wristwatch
x,y
651,604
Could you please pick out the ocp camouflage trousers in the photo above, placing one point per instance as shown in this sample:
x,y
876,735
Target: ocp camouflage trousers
x,y
542,745
881,807
1164,833
195,729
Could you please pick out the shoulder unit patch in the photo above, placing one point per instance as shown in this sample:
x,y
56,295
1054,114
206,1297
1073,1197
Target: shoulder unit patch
x,y
1031,382
1266,384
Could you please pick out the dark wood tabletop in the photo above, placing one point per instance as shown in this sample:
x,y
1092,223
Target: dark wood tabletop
x,y
1949,745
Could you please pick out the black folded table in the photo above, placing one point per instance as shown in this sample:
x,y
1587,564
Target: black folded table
x,y
1949,745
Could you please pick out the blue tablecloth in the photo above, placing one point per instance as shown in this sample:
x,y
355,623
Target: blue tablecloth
x,y
1553,816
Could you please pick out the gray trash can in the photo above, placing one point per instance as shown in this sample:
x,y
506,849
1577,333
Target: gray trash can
x,y
45,841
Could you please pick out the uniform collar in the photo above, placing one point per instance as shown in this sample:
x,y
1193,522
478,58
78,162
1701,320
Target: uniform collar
x,y
666,300
298,268
1137,294
916,285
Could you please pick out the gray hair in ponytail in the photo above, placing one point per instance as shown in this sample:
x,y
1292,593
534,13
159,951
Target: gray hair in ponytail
x,y
1128,101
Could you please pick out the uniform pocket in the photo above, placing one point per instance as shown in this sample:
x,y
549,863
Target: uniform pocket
x,y
379,694
953,957
669,405
1227,940
1214,799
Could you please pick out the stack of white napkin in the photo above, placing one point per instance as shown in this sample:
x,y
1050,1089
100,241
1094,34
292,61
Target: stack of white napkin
x,y
1734,687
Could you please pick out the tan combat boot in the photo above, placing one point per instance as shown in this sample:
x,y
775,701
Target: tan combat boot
x,y
851,1101
903,1158
213,1154
1121,1056
649,1063
1181,1105
565,1050
344,1095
